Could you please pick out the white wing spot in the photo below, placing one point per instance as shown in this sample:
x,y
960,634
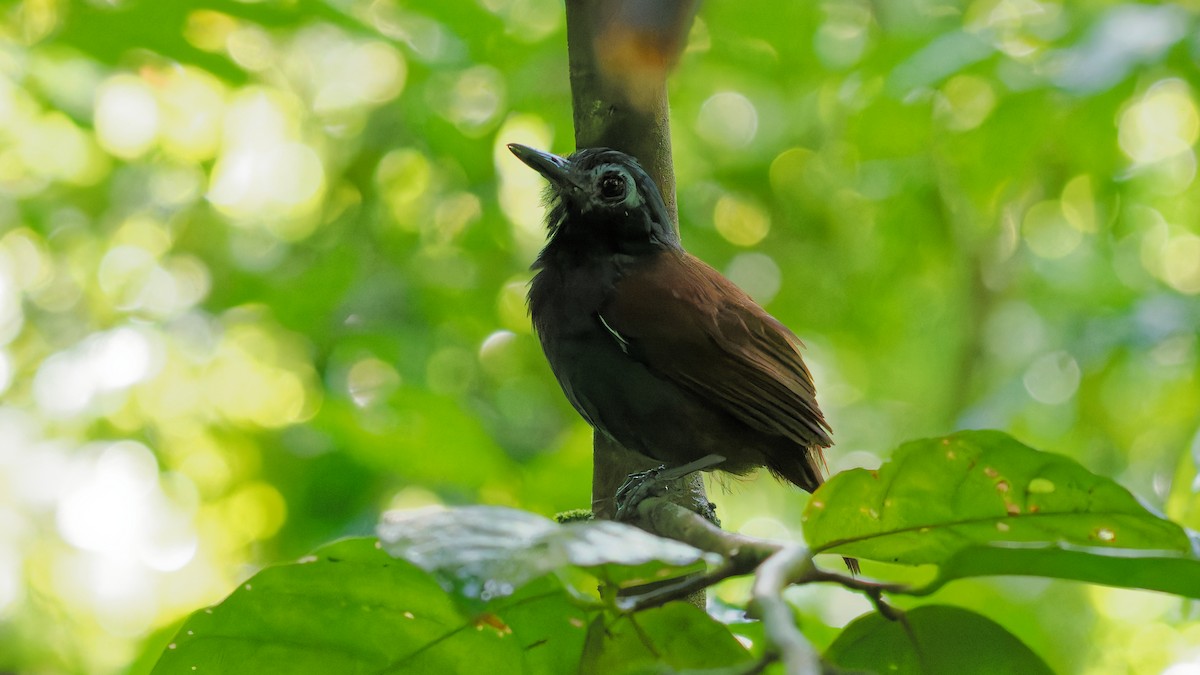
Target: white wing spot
x,y
621,341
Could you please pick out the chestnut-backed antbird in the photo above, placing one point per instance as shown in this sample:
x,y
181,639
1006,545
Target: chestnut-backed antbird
x,y
655,348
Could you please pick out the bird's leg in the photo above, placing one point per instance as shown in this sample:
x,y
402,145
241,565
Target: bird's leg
x,y
644,484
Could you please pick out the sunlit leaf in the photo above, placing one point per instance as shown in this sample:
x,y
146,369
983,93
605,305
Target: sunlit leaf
x,y
979,502
487,551
349,608
933,640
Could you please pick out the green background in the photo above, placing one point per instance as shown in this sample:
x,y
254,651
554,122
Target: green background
x,y
262,276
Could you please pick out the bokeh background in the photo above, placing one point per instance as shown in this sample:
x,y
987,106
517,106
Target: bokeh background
x,y
263,266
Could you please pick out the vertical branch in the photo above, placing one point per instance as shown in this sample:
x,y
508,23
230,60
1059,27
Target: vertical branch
x,y
620,53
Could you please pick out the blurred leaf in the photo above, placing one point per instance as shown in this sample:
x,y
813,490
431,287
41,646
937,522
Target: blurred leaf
x,y
348,609
979,502
937,639
677,635
489,551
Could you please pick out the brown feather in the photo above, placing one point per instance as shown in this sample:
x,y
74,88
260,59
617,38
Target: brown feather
x,y
693,327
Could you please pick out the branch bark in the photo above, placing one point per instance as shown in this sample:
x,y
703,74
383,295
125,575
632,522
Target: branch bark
x,y
620,53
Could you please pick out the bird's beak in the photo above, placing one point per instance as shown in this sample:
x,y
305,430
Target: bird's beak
x,y
556,169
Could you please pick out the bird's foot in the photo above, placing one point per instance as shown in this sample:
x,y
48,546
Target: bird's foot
x,y
636,489
642,485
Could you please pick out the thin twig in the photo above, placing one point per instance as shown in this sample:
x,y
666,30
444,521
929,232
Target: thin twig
x,y
779,624
776,566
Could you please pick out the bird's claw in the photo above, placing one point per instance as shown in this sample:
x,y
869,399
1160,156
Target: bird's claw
x,y
642,485
637,488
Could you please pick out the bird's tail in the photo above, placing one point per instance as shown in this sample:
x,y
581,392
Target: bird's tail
x,y
807,471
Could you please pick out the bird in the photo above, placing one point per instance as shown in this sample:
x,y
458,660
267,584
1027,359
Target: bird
x,y
653,347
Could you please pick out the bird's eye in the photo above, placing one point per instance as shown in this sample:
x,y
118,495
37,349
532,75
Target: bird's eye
x,y
612,187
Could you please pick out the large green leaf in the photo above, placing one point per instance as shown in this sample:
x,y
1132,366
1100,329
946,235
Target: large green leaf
x,y
676,635
348,609
937,639
980,502
490,551
549,626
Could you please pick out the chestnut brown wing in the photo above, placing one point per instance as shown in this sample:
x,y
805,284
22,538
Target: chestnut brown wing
x,y
694,327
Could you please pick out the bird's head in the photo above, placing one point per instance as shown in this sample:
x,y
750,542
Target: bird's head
x,y
601,201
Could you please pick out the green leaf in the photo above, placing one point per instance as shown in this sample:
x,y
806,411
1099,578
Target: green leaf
x,y
676,635
549,626
489,551
349,608
980,502
937,639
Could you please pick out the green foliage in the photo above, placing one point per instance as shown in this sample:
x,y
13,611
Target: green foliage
x,y
263,264
484,551
348,608
666,639
933,640
514,595
979,502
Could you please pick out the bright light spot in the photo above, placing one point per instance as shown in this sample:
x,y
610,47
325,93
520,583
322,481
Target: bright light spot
x,y
471,99
496,354
123,274
55,148
965,102
192,105
11,583
208,30
1181,263
521,187
404,177
529,21
174,186
1047,231
842,37
1014,331
258,378
250,46
789,168
740,221
1132,606
1078,204
256,511
511,306
265,176
410,498
1191,667
24,253
728,120
354,75
120,511
452,216
286,179
371,380
766,527
757,274
126,116
12,317
61,388
1041,486
67,382
1053,378
298,172
121,359
6,371
1162,124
